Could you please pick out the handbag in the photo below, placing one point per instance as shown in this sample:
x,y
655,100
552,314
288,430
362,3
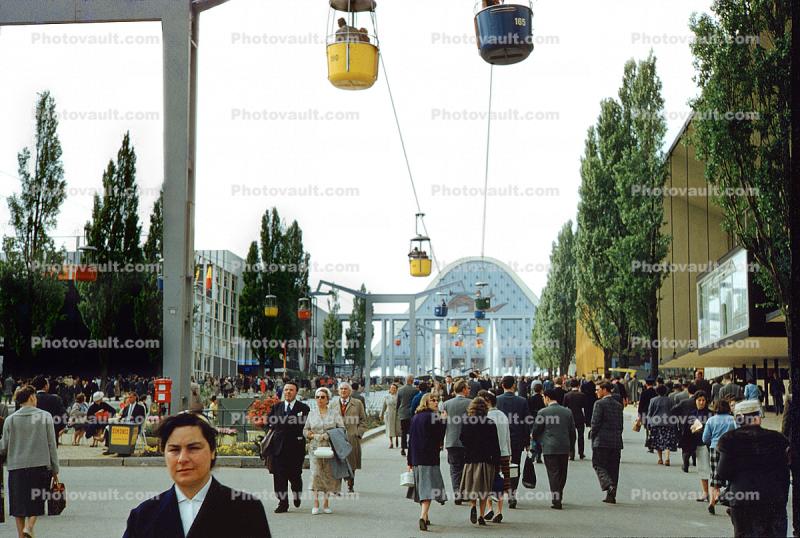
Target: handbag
x,y
57,500
407,479
323,452
528,474
637,425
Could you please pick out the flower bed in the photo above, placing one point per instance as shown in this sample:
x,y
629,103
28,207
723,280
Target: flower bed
x,y
259,410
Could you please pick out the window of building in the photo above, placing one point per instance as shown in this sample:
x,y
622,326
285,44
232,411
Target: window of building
x,y
722,301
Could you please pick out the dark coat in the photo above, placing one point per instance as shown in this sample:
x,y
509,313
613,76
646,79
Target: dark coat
x,y
224,512
560,393
426,436
644,401
535,403
607,423
588,389
755,461
479,437
405,394
519,423
575,400
681,411
93,425
288,437
474,388
134,414
555,429
53,405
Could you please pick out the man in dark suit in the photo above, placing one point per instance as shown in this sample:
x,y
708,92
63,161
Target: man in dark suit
x,y
50,403
606,435
357,393
474,385
288,446
648,394
523,390
590,390
516,409
555,429
447,388
197,505
404,397
575,401
559,391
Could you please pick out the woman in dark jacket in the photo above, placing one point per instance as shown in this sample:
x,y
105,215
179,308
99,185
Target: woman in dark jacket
x,y
481,457
426,436
535,403
694,425
663,432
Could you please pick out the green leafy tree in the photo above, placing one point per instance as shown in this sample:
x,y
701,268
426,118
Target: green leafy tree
x,y
356,333
600,227
642,169
149,311
554,332
750,155
331,334
252,322
619,235
31,297
114,234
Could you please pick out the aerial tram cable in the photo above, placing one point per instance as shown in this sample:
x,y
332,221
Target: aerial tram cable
x,y
420,214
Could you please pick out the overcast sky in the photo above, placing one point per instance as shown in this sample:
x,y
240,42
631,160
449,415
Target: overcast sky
x,y
262,64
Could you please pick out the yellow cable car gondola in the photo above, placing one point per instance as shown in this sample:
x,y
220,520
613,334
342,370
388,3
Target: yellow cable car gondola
x,y
418,260
453,329
352,50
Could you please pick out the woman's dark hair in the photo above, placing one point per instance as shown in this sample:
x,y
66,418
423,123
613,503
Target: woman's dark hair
x,y
700,394
80,398
723,407
23,394
661,390
478,408
537,388
488,396
180,420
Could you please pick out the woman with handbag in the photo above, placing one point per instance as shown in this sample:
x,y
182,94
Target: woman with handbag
x,y
321,419
426,436
697,420
29,444
502,478
481,458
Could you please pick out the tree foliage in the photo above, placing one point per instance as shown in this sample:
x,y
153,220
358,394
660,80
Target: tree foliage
x,y
114,235
554,331
30,296
331,333
149,311
355,334
619,235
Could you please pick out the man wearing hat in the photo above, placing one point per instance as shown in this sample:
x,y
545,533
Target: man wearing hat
x,y
755,463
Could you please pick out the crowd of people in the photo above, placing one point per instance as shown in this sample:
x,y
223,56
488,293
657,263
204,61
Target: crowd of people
x,y
484,425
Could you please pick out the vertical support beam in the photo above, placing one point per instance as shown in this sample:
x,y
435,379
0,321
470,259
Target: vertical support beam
x,y
391,347
383,348
412,335
180,35
367,345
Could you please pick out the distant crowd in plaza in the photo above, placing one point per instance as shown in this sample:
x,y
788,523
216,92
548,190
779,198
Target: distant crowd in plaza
x,y
492,430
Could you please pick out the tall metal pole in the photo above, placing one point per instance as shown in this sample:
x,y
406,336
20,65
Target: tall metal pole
x,y
367,344
412,333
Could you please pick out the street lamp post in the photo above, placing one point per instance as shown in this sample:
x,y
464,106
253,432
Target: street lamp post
x,y
180,32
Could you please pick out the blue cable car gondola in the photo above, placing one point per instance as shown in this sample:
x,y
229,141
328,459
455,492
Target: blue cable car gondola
x,y
480,314
440,311
504,31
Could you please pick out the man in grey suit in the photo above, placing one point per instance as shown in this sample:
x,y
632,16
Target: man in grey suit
x,y
404,397
518,413
730,390
554,428
606,435
456,410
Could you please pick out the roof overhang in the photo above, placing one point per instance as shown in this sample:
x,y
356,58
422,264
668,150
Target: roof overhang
x,y
746,351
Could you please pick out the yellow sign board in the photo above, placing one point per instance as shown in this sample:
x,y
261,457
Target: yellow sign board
x,y
120,435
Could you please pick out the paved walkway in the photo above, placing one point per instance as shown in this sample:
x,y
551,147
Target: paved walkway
x,y
100,500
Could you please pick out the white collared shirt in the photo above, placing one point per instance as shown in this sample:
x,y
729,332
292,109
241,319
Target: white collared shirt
x,y
189,508
289,405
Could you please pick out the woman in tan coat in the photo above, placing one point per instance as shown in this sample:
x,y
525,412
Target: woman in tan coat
x,y
390,417
355,422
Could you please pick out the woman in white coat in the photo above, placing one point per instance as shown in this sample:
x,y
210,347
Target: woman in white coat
x,y
390,417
